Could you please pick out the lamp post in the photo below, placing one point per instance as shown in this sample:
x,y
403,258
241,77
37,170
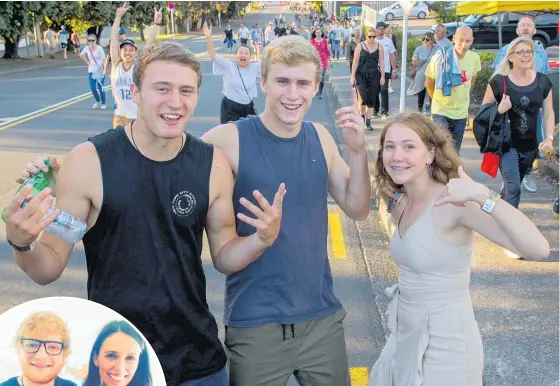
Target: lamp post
x,y
406,6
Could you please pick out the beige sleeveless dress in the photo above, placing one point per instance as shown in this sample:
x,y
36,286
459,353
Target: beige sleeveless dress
x,y
434,338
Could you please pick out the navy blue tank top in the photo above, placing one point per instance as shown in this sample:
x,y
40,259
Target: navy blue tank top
x,y
291,282
143,253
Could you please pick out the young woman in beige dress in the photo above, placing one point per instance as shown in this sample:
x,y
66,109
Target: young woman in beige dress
x,y
434,338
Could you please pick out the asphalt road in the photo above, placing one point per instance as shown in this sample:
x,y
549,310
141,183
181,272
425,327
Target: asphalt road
x,y
516,302
60,130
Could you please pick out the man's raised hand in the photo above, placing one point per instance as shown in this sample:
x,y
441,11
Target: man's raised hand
x,y
268,217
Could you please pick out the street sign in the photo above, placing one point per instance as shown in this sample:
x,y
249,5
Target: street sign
x,y
407,6
171,6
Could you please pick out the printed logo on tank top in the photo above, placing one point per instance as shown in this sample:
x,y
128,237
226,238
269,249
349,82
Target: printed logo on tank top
x,y
183,203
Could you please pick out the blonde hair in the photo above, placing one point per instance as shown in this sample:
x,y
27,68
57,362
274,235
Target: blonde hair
x,y
505,66
44,322
165,51
438,140
290,50
92,36
371,29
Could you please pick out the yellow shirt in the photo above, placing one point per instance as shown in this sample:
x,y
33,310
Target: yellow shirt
x,y
456,105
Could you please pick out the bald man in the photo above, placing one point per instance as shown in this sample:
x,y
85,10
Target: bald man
x,y
451,111
526,28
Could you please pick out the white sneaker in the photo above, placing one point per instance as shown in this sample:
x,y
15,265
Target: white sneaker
x,y
529,184
511,255
96,105
391,90
103,107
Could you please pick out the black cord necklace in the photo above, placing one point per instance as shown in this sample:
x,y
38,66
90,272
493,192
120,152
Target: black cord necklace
x,y
134,143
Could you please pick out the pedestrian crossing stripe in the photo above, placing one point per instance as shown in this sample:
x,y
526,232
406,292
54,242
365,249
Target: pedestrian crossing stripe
x,y
337,236
359,376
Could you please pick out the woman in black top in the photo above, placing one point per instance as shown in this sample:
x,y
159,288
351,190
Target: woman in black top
x,y
527,91
229,38
351,47
366,77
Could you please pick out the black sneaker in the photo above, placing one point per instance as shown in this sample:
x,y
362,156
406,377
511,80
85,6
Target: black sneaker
x,y
368,124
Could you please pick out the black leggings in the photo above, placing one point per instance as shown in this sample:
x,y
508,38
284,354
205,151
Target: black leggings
x,y
232,111
421,98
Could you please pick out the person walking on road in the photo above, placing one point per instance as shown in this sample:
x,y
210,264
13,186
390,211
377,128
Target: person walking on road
x,y
526,92
243,35
94,56
229,38
351,47
434,338
420,59
123,53
439,38
366,77
148,191
76,43
321,44
390,67
450,76
269,34
63,36
281,314
49,39
239,80
526,28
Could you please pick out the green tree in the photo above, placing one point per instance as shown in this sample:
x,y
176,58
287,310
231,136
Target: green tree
x,y
68,13
141,14
98,14
16,17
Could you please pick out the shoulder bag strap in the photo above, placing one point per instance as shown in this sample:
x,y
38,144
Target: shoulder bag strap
x,y
242,81
504,85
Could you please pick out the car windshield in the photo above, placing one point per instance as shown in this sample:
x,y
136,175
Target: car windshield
x,y
471,19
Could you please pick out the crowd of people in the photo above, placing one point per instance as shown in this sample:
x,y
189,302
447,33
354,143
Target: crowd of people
x,y
258,185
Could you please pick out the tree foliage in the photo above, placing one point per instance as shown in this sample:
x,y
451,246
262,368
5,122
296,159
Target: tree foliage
x,y
16,17
141,14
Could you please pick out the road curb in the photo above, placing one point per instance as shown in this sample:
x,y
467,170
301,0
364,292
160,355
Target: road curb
x,y
338,87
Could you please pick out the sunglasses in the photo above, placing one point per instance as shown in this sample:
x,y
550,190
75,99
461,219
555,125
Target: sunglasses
x,y
370,36
91,41
427,40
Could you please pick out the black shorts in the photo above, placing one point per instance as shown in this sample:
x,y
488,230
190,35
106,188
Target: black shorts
x,y
368,92
63,45
232,111
244,41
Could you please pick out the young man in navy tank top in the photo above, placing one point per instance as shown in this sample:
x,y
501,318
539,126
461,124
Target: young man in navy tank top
x,y
148,191
281,314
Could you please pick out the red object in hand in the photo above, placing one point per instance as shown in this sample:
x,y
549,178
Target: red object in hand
x,y
490,164
464,76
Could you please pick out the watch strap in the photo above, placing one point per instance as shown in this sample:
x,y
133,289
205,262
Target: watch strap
x,y
18,248
549,137
490,202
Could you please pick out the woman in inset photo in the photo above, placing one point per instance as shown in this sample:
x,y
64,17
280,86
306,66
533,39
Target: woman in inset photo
x,y
119,357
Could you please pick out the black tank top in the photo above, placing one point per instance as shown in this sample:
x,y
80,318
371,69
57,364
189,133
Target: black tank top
x,y
368,65
143,253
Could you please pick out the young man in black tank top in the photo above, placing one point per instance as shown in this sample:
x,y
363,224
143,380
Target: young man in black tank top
x,y
147,192
262,351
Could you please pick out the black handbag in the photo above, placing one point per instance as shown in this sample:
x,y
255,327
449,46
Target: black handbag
x,y
251,103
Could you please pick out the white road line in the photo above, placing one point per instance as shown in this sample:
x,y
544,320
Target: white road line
x,y
48,108
74,98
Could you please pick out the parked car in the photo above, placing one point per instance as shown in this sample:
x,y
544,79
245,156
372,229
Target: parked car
x,y
395,11
485,28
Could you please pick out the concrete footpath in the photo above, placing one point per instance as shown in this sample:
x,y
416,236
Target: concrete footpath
x,y
515,302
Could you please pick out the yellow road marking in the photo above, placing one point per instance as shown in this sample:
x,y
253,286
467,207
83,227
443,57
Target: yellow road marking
x,y
337,236
48,111
359,376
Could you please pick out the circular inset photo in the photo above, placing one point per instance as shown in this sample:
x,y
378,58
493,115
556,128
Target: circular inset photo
x,y
63,341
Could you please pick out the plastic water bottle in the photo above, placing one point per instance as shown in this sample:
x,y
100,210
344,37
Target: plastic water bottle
x,y
66,226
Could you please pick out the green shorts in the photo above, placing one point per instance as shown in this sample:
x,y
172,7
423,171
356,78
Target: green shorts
x,y
314,352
